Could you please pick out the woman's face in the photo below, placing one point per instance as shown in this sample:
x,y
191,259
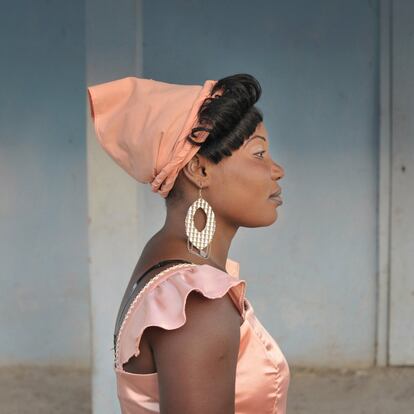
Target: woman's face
x,y
240,185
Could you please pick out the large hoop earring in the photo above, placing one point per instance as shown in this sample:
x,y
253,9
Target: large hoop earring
x,y
200,239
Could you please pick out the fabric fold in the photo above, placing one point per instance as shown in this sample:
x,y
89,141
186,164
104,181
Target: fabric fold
x,y
143,125
164,303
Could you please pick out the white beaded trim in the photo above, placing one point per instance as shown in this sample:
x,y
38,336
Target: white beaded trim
x,y
149,283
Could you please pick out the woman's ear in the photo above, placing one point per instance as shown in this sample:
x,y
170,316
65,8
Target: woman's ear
x,y
196,171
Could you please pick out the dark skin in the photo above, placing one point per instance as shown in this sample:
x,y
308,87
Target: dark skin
x,y
238,190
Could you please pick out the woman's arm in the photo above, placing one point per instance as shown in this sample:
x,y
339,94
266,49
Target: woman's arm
x,y
196,363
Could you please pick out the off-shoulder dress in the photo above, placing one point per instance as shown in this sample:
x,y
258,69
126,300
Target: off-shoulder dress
x,y
262,373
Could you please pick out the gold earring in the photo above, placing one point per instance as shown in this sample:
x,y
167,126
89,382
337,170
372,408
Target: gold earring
x,y
200,239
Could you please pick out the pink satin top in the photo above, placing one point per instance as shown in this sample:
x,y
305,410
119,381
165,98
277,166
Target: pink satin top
x,y
262,373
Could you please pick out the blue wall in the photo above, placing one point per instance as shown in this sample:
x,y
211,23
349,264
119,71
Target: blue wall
x,y
312,275
44,289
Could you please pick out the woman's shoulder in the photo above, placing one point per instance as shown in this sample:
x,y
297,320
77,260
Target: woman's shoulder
x,y
162,301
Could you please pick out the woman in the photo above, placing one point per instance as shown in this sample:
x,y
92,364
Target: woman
x,y
186,338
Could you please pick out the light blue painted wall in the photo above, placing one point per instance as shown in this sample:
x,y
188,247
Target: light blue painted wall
x,y
44,289
312,281
312,274
114,41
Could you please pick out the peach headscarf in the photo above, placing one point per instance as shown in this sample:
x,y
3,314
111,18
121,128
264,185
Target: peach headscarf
x,y
143,124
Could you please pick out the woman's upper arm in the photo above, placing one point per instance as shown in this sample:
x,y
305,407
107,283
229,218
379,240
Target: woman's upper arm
x,y
196,363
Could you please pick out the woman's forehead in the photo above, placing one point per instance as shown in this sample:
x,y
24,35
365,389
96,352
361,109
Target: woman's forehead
x,y
261,129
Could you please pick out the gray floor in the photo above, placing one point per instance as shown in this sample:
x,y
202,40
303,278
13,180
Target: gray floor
x,y
33,390
30,390
365,391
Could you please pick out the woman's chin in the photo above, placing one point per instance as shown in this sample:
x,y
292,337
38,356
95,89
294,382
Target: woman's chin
x,y
270,218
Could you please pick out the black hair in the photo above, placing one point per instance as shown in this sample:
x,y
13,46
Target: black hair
x,y
230,118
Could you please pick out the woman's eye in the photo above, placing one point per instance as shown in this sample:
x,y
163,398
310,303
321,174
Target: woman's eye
x,y
261,152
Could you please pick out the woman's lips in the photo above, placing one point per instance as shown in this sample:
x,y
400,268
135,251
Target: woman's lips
x,y
276,199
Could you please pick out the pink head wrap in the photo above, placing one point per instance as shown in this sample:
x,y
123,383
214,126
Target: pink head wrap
x,y
143,124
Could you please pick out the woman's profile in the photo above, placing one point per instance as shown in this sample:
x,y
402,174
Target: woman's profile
x,y
186,338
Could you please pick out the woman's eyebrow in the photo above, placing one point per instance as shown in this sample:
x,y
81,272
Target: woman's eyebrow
x,y
254,136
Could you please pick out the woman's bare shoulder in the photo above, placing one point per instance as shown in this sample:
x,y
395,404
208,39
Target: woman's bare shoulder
x,y
199,358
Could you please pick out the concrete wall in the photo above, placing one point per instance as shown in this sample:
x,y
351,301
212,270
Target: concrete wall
x,y
312,280
113,46
44,287
402,177
312,274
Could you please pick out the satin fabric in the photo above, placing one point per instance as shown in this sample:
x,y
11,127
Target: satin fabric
x,y
262,374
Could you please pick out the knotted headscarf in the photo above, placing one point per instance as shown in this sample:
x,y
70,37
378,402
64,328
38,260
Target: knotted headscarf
x,y
143,124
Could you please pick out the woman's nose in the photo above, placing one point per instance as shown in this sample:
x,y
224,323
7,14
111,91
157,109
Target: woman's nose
x,y
278,171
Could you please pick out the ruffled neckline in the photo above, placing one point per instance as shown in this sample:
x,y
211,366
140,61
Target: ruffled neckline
x,y
214,283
